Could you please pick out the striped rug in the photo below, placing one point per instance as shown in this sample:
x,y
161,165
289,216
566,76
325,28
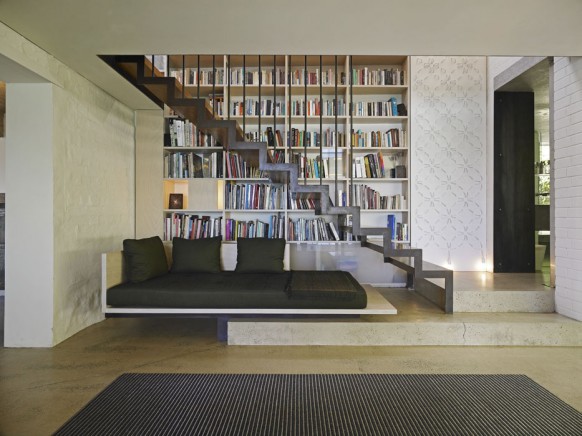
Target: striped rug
x,y
353,404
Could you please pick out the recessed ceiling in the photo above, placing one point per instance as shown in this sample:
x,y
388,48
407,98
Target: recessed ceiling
x,y
77,31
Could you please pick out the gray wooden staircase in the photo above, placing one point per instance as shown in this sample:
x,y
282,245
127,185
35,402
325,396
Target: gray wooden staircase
x,y
167,90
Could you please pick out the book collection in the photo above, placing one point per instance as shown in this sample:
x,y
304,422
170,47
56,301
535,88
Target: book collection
x,y
327,76
286,139
191,226
188,165
234,229
316,229
388,108
218,104
253,196
252,108
238,168
192,79
398,230
311,168
301,203
370,166
180,133
378,76
314,108
300,138
368,198
274,138
237,76
390,138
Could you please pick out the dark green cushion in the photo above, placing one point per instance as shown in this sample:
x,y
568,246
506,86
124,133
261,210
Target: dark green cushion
x,y
260,255
144,258
196,255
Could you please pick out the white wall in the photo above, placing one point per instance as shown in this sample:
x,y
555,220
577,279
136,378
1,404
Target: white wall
x,y
29,216
70,173
448,160
568,185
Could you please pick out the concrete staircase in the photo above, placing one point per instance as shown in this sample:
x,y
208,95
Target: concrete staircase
x,y
167,90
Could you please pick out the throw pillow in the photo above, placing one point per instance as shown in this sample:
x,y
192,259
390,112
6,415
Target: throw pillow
x,y
260,255
145,258
196,255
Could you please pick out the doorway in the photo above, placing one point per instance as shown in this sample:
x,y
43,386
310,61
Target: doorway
x,y
522,131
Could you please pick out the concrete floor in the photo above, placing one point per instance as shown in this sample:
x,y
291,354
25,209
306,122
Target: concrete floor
x,y
41,388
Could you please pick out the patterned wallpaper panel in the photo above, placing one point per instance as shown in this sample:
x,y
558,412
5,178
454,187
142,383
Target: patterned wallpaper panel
x,y
448,168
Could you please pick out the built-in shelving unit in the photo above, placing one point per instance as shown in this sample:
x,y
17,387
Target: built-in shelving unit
x,y
343,119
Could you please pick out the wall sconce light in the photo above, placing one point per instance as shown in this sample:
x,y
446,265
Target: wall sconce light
x,y
176,201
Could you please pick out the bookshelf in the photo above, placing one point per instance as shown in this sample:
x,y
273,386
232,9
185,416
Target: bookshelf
x,y
302,102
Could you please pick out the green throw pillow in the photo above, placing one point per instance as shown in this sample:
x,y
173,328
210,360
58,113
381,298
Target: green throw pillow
x,y
196,255
144,258
260,255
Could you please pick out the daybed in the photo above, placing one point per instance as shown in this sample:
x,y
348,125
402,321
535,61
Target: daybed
x,y
197,278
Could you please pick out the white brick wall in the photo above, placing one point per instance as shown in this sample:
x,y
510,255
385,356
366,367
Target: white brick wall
x,y
568,184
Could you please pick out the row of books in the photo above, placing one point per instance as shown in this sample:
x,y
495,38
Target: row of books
x,y
390,138
387,108
311,168
235,229
399,230
316,229
316,108
237,167
206,76
368,198
191,226
252,107
301,138
378,76
251,196
182,133
239,77
327,77
369,166
274,138
186,165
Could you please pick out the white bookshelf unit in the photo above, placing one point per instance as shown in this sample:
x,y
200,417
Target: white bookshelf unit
x,y
302,100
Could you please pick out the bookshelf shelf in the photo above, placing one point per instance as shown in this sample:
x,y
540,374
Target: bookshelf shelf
x,y
388,81
379,89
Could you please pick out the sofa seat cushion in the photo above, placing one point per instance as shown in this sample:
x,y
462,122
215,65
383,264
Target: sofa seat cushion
x,y
225,290
323,286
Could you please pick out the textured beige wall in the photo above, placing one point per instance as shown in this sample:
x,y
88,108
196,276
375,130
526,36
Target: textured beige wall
x,y
93,196
2,107
93,187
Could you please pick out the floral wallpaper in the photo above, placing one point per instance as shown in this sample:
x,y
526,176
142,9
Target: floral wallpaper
x,y
448,167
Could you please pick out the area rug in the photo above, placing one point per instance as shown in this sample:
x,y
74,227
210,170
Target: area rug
x,y
316,404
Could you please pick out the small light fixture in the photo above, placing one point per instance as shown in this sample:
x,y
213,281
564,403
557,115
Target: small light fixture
x,y
176,201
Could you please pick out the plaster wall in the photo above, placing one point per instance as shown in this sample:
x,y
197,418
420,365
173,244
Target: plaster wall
x,y
448,160
93,147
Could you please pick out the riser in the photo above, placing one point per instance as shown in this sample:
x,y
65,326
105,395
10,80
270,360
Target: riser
x,y
360,333
504,301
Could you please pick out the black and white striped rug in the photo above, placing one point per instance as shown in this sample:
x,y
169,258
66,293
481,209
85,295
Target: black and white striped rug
x,y
317,404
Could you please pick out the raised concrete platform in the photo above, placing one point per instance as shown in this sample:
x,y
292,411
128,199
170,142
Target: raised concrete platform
x,y
502,292
418,323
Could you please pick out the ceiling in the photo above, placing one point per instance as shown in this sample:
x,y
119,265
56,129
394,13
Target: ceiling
x,y
76,31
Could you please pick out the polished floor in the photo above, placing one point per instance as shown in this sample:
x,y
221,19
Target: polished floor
x,y
486,281
41,388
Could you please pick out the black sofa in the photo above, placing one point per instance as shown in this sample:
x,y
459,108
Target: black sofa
x,y
259,281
